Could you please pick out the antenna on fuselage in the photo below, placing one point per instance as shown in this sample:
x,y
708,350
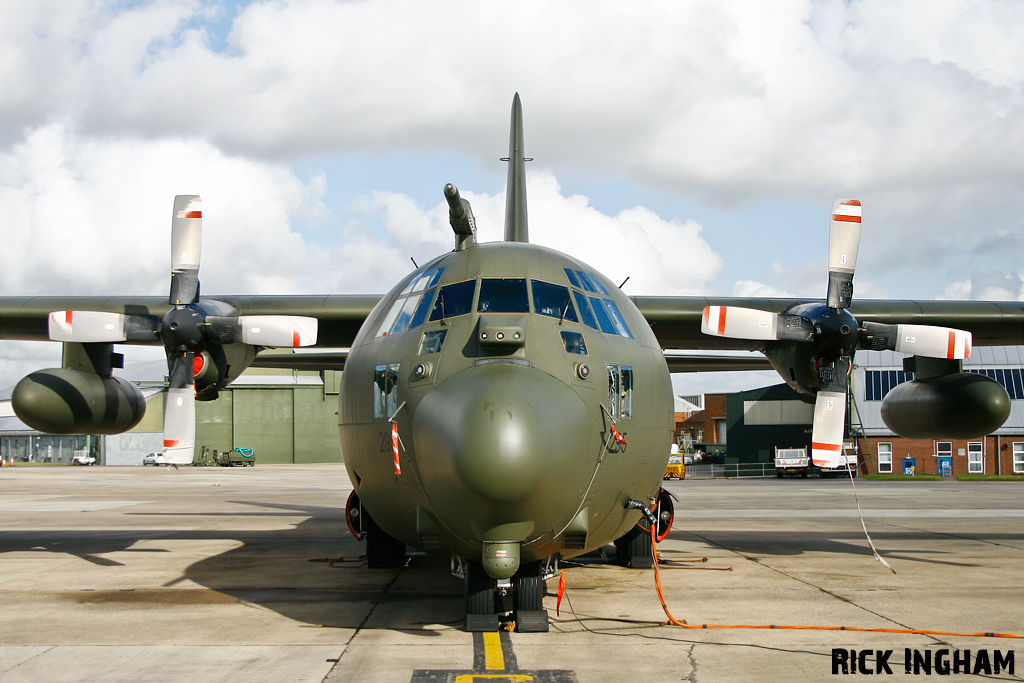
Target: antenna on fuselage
x,y
516,229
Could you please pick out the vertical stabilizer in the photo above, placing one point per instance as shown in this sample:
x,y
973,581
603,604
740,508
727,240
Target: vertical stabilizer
x,y
516,229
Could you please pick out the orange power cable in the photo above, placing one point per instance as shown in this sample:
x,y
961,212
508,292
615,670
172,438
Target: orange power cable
x,y
682,624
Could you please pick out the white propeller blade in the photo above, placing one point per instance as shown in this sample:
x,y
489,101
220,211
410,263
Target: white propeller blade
x,y
277,330
180,426
736,322
86,326
186,233
843,245
934,342
827,430
186,249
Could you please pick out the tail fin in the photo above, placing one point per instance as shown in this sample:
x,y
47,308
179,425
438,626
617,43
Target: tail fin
x,y
516,229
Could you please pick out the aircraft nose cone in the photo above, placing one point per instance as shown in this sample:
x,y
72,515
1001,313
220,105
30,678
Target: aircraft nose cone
x,y
503,430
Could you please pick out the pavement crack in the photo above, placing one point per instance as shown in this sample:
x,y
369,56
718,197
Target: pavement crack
x,y
692,676
824,590
369,614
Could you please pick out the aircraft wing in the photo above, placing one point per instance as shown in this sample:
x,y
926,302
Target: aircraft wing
x,y
339,316
676,321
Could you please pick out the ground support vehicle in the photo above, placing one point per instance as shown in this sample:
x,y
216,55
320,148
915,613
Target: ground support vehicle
x,y
240,457
791,461
83,458
675,467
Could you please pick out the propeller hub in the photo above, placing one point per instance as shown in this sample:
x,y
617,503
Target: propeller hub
x,y
835,331
183,329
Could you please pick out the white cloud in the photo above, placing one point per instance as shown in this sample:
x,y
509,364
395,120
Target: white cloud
x,y
92,215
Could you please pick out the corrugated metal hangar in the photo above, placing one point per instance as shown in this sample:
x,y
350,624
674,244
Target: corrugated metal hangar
x,y
284,415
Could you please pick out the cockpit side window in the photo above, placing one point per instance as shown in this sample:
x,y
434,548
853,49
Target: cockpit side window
x,y
405,311
616,316
503,295
581,303
574,342
620,391
453,300
573,280
553,301
603,319
385,390
432,341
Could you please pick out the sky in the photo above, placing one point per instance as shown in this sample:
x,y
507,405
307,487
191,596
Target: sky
x,y
692,146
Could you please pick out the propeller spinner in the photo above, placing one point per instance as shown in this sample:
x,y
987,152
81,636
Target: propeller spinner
x,y
834,333
188,327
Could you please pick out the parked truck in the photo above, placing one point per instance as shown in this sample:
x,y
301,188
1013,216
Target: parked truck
x,y
847,466
791,461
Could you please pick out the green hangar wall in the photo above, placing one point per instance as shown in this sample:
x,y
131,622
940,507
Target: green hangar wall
x,y
286,416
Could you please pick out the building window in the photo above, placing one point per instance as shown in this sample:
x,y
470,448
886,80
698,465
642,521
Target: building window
x,y
1018,457
975,462
878,383
944,449
885,458
1012,379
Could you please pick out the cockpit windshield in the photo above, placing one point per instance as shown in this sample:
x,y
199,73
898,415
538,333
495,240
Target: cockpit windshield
x,y
505,295
454,300
553,300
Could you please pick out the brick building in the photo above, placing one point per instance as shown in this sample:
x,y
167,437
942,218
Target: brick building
x,y
1002,452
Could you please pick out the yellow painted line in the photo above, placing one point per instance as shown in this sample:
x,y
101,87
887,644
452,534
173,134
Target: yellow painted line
x,y
494,660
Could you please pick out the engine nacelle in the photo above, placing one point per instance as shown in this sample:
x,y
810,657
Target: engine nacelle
x,y
960,405
66,401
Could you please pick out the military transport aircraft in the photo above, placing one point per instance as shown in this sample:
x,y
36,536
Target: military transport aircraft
x,y
505,404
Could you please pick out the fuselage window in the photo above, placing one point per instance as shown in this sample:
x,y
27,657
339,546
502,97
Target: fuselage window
x,y
620,322
585,314
553,300
620,391
603,319
453,300
506,295
385,390
574,342
432,341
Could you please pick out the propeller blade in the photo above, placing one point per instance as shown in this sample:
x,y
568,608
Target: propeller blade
x,y
919,340
827,431
830,412
87,326
180,410
843,245
277,330
186,249
736,322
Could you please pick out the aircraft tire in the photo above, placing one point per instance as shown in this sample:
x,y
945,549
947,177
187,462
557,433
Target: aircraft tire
x,y
635,548
382,551
479,590
529,587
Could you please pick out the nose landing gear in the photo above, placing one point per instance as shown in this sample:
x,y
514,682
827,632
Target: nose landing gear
x,y
495,603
